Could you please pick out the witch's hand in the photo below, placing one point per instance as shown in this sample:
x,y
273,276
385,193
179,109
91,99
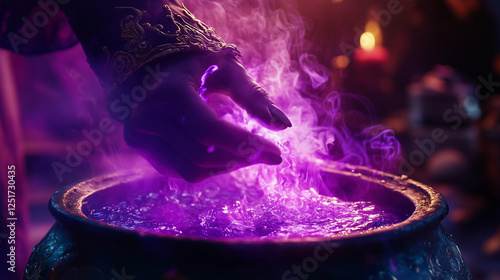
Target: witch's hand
x,y
179,134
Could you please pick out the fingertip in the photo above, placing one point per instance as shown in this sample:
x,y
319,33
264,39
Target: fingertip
x,y
270,147
279,120
270,158
275,160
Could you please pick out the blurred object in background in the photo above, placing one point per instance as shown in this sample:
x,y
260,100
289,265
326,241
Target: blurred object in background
x,y
443,138
491,247
369,66
458,33
491,143
438,91
416,36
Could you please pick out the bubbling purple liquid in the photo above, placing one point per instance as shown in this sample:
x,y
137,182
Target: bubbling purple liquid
x,y
230,215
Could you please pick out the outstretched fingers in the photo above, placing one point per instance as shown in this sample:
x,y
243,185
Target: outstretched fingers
x,y
231,77
183,133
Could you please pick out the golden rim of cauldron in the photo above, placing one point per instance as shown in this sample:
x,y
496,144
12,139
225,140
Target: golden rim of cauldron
x,y
430,206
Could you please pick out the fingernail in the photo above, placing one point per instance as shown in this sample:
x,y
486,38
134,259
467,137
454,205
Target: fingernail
x,y
279,116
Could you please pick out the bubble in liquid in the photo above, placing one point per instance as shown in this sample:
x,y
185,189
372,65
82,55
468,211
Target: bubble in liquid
x,y
273,217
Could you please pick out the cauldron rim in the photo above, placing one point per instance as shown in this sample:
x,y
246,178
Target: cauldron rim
x,y
430,208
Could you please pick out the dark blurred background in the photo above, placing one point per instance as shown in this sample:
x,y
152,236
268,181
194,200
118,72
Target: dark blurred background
x,y
431,69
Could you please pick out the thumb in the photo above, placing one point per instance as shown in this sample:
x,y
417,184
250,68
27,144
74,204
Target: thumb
x,y
230,77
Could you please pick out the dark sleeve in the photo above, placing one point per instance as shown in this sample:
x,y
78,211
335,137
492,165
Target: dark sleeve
x,y
122,36
118,36
34,26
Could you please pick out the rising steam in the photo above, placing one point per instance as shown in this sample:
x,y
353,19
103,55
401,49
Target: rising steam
x,y
329,126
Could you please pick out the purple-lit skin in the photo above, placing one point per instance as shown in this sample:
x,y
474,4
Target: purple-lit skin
x,y
171,126
180,134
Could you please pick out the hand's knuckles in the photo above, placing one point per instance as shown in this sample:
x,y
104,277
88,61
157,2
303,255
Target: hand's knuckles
x,y
230,74
259,94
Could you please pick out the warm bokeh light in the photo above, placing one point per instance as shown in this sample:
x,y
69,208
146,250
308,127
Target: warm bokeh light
x,y
367,41
340,62
373,27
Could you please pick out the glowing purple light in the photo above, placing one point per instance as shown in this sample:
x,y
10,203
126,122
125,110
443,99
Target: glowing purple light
x,y
272,201
202,90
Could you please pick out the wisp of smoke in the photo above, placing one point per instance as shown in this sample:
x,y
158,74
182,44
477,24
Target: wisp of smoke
x,y
330,126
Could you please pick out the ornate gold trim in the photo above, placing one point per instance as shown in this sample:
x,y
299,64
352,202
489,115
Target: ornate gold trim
x,y
145,42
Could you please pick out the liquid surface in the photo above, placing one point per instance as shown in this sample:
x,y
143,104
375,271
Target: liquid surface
x,y
268,217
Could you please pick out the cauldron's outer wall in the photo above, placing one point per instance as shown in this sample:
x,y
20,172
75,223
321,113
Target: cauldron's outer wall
x,y
79,248
69,254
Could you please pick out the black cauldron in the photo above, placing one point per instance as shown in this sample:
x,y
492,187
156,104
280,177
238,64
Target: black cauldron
x,y
416,248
